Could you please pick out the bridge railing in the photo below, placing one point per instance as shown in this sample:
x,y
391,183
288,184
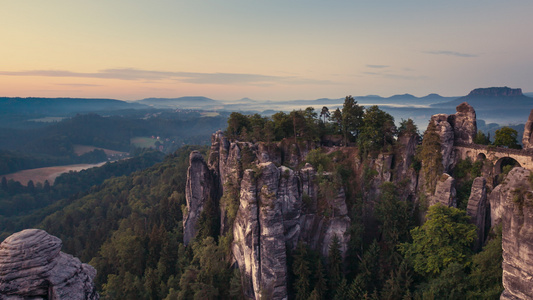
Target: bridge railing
x,y
503,150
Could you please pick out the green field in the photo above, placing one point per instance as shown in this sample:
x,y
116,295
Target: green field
x,y
143,142
48,119
209,114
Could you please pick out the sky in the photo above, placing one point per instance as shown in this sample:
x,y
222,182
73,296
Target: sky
x,y
264,50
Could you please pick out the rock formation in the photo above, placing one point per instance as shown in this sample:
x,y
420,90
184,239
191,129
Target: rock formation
x,y
278,207
477,208
464,124
527,139
446,133
458,128
33,267
198,190
272,217
514,199
445,191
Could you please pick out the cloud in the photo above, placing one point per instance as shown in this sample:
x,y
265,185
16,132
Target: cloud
x,y
377,66
451,53
189,77
395,76
79,84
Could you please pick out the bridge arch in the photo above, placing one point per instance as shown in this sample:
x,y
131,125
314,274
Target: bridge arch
x,y
481,156
505,162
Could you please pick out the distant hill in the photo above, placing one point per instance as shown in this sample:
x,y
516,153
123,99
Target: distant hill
x,y
496,104
62,106
493,97
182,102
405,99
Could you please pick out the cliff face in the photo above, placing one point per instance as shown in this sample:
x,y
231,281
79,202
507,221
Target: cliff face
x,y
278,207
464,124
32,267
458,128
477,208
527,139
445,192
515,201
199,189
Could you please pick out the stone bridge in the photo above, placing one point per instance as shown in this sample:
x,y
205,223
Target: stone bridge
x,y
499,156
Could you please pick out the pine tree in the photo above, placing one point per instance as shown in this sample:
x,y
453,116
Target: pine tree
x,y
334,264
300,268
321,287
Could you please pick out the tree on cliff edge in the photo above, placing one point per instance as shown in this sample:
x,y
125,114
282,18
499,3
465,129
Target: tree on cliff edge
x,y
352,118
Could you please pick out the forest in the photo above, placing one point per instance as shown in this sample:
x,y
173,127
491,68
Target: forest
x,y
130,225
53,144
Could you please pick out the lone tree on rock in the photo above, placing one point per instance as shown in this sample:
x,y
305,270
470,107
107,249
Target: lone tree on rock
x,y
506,137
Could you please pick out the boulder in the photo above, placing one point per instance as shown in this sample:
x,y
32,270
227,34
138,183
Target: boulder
x,y
33,267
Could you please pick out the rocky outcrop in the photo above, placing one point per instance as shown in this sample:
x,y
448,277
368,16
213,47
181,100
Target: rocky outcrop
x,y
515,197
527,139
458,128
446,133
445,192
477,208
278,208
404,158
199,188
464,124
33,267
503,193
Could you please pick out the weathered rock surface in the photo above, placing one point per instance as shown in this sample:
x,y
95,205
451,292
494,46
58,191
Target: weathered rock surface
x,y
527,139
502,193
404,158
278,208
477,208
446,133
464,124
200,186
33,267
458,128
445,192
272,217
516,198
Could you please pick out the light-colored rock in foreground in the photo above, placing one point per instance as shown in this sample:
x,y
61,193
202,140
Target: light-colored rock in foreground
x,y
33,267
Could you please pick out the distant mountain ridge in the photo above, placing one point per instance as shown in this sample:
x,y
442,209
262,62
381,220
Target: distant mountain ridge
x,y
61,106
495,104
496,92
181,102
503,97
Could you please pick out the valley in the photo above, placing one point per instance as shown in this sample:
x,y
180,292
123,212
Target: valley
x,y
40,175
